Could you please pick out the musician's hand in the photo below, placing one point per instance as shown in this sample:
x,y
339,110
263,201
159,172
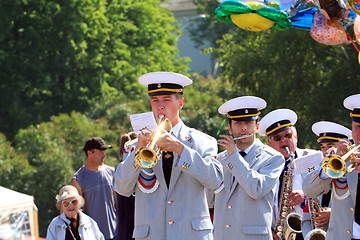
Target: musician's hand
x,y
356,161
275,237
143,140
342,147
169,143
296,198
322,217
228,143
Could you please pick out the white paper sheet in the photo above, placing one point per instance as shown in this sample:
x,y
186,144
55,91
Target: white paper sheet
x,y
143,122
308,163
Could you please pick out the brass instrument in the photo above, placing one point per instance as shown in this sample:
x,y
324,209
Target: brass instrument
x,y
317,233
288,224
129,144
147,157
334,166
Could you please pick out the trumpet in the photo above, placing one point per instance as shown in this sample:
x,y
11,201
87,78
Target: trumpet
x,y
334,166
147,157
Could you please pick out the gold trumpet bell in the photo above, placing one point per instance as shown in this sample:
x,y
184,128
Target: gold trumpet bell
x,y
334,166
146,157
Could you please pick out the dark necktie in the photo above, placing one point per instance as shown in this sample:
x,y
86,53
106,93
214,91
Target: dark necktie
x,y
243,154
167,161
326,199
357,204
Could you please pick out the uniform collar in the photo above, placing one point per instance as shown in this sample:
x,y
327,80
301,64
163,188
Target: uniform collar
x,y
176,128
246,150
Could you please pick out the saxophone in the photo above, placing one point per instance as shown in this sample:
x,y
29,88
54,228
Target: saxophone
x,y
288,224
317,233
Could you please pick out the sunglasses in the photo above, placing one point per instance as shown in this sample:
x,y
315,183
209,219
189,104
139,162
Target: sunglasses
x,y
278,137
74,202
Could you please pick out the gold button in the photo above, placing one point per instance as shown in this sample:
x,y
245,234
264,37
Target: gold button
x,y
170,202
348,232
229,207
171,222
227,226
351,209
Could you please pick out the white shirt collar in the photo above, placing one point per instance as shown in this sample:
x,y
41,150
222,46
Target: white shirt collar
x,y
246,150
176,129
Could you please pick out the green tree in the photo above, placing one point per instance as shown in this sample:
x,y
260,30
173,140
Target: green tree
x,y
54,152
55,56
202,100
50,53
291,70
15,170
143,39
209,28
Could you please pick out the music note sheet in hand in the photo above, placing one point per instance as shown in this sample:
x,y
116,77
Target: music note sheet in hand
x,y
308,163
143,122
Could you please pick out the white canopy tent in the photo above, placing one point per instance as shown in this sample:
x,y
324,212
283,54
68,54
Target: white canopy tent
x,y
18,216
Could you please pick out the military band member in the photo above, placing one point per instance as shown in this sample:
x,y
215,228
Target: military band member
x,y
243,204
170,200
344,219
329,134
281,133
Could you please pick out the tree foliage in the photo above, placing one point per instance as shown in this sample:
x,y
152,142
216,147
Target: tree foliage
x,y
55,56
47,155
290,70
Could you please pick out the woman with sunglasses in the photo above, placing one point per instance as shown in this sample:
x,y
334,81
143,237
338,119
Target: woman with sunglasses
x,y
72,224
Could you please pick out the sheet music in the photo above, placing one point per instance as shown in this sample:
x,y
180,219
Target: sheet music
x,y
308,163
143,122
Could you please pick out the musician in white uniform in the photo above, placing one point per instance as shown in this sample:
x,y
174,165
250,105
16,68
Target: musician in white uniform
x,y
345,206
329,134
279,128
170,198
243,204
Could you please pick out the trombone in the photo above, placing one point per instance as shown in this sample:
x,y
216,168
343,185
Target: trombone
x,y
334,166
147,157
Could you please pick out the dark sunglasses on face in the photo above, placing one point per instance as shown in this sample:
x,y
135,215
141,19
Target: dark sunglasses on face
x,y
278,137
73,202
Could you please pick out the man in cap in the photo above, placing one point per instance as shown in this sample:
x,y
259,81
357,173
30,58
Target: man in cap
x,y
329,134
345,201
170,200
243,204
278,126
94,181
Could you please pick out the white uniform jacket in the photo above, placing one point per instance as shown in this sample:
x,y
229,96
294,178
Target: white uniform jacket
x,y
243,209
180,212
342,201
88,228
